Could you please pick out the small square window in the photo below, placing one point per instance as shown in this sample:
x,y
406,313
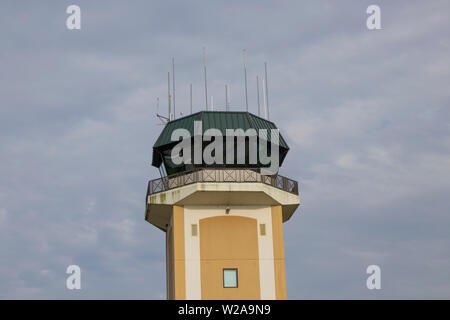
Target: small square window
x,y
230,278
194,230
262,229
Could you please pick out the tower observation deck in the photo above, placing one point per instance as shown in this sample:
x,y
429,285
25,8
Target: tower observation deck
x,y
222,204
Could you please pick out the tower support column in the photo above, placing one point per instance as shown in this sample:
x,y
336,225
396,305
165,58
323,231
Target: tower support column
x,y
278,253
175,251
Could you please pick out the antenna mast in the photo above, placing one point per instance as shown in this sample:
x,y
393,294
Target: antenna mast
x,y
257,90
168,95
267,91
245,77
206,86
161,117
157,107
190,95
264,99
227,104
173,84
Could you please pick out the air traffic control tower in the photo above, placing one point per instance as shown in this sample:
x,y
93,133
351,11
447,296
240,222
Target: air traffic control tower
x,y
223,222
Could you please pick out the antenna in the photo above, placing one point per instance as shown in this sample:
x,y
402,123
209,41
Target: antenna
x,y
163,119
245,77
264,99
229,97
257,90
190,95
168,95
267,91
212,103
173,84
227,104
206,86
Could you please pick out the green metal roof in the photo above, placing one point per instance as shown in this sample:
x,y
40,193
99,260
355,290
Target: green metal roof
x,y
220,120
185,122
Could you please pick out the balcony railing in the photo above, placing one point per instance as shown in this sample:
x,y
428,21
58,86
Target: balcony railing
x,y
220,175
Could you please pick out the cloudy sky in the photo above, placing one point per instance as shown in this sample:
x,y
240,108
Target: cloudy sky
x,y
366,114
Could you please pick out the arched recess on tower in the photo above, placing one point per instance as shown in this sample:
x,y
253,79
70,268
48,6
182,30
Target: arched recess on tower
x,y
229,242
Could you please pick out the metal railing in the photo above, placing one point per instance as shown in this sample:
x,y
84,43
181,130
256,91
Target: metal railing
x,y
220,175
